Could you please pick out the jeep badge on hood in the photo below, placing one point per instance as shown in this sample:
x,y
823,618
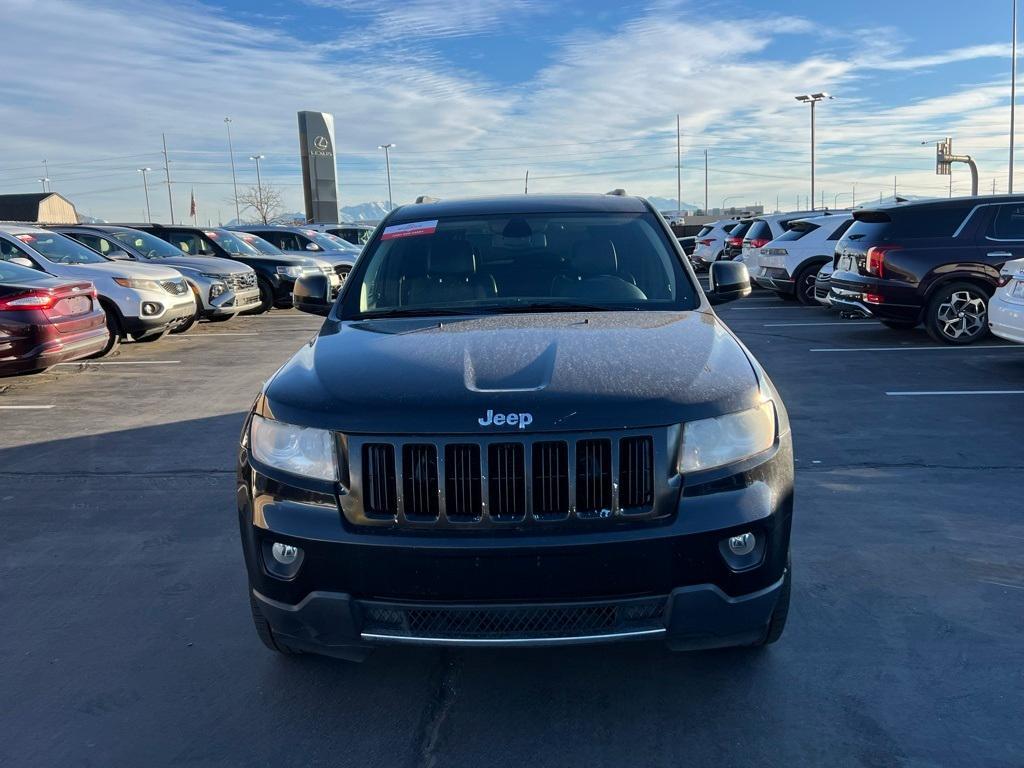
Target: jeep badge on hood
x,y
493,419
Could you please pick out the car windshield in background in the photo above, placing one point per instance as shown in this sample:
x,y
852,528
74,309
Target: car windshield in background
x,y
328,241
520,263
150,246
15,273
231,242
259,244
60,249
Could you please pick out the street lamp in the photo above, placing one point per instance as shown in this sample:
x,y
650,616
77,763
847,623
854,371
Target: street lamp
x,y
387,162
259,185
44,181
727,199
1013,91
145,186
234,182
812,99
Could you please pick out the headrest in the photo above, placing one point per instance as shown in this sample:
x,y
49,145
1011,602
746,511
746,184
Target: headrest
x,y
595,257
451,257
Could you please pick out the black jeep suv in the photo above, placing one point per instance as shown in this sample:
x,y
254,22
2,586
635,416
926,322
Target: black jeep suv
x,y
933,262
521,423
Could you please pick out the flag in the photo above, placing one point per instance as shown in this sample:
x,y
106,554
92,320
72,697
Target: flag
x,y
193,211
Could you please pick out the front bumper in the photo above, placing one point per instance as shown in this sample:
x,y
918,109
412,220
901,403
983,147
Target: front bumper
x,y
169,316
694,595
1006,318
231,303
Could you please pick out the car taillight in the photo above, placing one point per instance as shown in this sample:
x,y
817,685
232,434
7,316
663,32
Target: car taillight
x,y
706,243
28,300
735,242
759,242
876,259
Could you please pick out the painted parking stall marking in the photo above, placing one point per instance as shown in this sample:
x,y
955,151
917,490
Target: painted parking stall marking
x,y
122,362
957,392
969,347
26,407
412,229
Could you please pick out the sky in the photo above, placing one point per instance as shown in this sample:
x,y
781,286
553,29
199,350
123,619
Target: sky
x,y
583,94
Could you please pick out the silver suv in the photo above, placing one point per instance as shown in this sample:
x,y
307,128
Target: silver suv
x,y
222,287
303,241
142,301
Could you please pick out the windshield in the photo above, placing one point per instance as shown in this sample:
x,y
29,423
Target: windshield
x,y
536,262
60,249
15,273
260,244
231,242
149,246
328,241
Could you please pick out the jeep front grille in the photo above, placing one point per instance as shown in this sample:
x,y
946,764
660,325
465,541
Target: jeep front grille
x,y
502,479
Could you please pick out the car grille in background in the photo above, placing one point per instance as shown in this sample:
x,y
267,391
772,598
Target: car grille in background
x,y
342,271
379,497
240,281
503,480
512,622
636,481
175,287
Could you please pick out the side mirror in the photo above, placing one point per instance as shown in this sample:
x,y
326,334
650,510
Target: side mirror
x,y
312,247
119,255
312,294
729,280
21,261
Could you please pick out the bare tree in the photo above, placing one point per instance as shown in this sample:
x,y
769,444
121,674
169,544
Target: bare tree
x,y
264,200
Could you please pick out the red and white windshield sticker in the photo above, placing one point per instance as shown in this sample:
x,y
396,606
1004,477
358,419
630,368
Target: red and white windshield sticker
x,y
414,229
26,238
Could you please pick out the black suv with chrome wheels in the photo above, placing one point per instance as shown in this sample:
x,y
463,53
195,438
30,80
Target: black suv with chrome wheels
x,y
934,262
521,423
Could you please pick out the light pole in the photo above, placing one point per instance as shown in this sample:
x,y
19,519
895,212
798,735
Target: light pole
x,y
812,99
259,186
44,181
387,162
1013,91
46,177
727,199
145,186
234,182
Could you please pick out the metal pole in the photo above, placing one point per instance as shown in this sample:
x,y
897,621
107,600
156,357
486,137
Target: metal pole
x,y
526,186
679,168
259,187
167,171
812,154
145,187
1013,92
387,163
47,187
234,182
705,182
853,200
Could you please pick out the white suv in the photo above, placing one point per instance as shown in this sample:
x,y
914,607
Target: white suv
x,y
143,301
711,240
789,264
766,228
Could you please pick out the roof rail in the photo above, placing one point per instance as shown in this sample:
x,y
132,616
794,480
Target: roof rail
x,y
617,192
426,199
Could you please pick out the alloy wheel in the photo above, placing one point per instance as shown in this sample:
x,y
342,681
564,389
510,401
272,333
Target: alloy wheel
x,y
962,315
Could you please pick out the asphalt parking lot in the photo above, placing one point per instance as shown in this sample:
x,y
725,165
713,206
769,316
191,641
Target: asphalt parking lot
x,y
128,641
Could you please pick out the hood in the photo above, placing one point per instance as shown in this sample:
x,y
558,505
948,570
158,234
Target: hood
x,y
122,268
569,371
207,264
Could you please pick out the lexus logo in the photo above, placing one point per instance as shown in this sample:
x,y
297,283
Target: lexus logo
x,y
321,143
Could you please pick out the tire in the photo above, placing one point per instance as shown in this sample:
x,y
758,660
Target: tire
x,y
187,325
958,314
266,634
804,285
899,325
777,623
114,334
266,298
222,318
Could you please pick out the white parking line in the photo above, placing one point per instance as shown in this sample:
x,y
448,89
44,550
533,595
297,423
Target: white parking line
x,y
207,336
771,306
25,407
958,392
123,362
1008,347
797,325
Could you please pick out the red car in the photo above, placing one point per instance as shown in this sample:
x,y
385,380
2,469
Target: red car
x,y
46,320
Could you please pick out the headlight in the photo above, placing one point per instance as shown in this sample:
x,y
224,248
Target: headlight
x,y
300,450
138,285
711,443
295,272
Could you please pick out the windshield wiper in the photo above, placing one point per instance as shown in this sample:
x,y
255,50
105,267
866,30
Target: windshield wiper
x,y
425,312
559,306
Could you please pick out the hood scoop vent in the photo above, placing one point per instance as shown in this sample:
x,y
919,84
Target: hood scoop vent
x,y
516,369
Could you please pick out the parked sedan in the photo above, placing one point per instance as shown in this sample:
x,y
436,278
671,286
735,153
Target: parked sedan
x,y
1006,309
142,301
222,287
46,320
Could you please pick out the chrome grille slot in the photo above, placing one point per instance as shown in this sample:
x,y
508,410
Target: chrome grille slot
x,y
506,481
594,478
419,482
636,474
240,281
550,480
463,501
379,496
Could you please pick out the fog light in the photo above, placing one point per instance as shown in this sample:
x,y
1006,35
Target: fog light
x,y
286,554
739,545
150,308
216,290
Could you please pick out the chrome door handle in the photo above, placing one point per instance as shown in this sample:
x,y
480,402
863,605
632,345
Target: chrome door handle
x,y
1000,255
